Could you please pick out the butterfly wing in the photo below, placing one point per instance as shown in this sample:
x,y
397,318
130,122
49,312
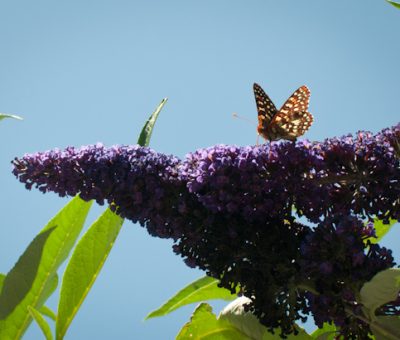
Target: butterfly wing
x,y
289,126
265,108
298,101
293,119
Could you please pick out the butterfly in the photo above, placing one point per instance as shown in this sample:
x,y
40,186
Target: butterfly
x,y
290,122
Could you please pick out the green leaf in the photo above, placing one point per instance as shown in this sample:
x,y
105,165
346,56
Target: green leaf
x,y
327,332
204,325
395,4
202,289
386,328
86,262
92,251
49,288
34,275
44,326
46,311
381,229
248,324
384,287
145,135
4,115
2,277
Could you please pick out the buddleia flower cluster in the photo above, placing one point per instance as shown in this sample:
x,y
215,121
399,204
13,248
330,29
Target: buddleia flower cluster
x,y
233,212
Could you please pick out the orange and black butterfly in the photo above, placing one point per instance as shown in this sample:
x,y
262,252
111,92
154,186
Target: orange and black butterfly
x,y
290,122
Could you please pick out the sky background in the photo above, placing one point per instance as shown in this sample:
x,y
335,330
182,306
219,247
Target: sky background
x,y
82,72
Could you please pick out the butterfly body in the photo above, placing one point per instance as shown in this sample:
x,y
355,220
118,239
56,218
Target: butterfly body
x,y
290,122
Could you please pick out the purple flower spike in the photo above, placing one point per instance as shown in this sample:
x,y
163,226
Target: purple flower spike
x,y
140,182
231,212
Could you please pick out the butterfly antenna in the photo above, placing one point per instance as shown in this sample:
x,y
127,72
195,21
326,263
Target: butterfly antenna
x,y
235,115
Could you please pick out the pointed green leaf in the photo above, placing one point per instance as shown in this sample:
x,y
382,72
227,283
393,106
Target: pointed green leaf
x,y
204,325
384,287
46,311
20,279
4,115
86,262
205,288
395,4
145,135
248,324
381,229
327,332
33,276
44,326
2,277
386,328
49,288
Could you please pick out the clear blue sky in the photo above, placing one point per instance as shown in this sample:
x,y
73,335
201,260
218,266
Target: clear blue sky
x,y
80,72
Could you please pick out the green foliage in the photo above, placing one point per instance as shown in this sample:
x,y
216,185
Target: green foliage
x,y
381,229
2,277
204,325
248,324
386,328
84,266
4,115
44,326
384,287
205,288
145,135
33,278
92,251
327,332
233,323
46,311
395,4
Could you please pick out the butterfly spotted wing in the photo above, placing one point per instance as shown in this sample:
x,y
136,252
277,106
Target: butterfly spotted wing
x,y
290,122
265,107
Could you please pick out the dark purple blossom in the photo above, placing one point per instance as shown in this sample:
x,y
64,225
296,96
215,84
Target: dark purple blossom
x,y
139,181
340,244
229,210
253,182
358,175
361,175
